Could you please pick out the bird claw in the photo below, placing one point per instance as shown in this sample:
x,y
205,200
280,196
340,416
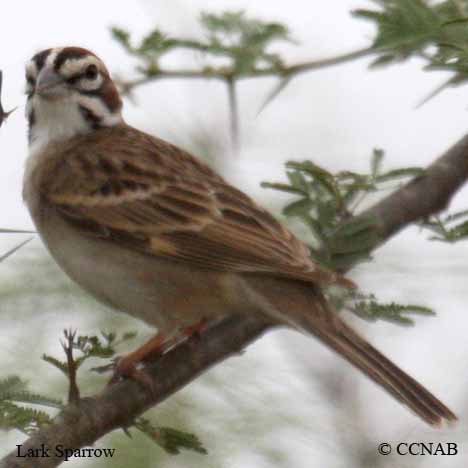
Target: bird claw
x,y
125,368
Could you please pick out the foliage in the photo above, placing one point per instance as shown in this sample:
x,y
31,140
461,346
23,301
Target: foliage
x,y
14,391
171,440
103,347
242,40
326,204
448,228
367,307
433,31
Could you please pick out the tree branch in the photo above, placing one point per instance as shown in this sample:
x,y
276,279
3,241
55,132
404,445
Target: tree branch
x,y
230,75
224,73
423,196
117,406
234,115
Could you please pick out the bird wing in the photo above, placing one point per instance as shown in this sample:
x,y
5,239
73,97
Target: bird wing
x,y
146,194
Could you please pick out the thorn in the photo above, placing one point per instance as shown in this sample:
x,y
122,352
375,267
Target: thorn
x,y
127,432
436,92
3,115
14,249
274,93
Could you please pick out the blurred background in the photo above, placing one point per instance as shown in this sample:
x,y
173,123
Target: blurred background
x,y
287,402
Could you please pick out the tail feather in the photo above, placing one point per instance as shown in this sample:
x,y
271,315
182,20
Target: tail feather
x,y
302,307
380,369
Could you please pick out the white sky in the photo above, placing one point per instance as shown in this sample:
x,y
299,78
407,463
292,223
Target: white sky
x,y
335,116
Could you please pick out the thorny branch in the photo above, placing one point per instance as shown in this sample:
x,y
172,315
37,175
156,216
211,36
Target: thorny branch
x,y
230,76
224,73
3,115
83,423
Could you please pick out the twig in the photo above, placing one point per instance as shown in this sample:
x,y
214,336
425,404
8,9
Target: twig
x,y
73,390
230,76
234,115
224,73
3,115
14,249
117,406
423,196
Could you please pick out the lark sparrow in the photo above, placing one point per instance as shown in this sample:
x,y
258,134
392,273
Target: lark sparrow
x,y
148,229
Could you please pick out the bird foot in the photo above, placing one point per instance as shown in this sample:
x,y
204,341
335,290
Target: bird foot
x,y
129,366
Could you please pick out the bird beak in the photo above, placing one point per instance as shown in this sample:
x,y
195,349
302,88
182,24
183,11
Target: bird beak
x,y
50,84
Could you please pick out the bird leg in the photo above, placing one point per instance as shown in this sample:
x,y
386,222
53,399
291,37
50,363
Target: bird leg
x,y
126,366
195,330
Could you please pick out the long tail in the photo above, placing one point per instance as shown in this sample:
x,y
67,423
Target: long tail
x,y
304,307
339,336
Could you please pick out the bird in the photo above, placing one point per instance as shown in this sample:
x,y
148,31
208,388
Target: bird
x,y
152,231
3,115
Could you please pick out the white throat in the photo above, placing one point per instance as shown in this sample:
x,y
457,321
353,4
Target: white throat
x,y
56,120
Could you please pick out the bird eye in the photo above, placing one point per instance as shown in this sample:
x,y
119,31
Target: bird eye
x,y
91,72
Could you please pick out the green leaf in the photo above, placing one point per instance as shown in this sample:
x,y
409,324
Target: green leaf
x,y
383,60
445,230
361,243
60,365
310,168
319,175
315,227
339,261
401,173
456,216
327,214
14,390
283,188
372,311
357,225
34,399
26,420
171,440
298,208
11,384
298,181
122,36
432,31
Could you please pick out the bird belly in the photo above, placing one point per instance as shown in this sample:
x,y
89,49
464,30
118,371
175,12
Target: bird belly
x,y
163,293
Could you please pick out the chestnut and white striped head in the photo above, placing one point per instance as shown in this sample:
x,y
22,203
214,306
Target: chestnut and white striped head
x,y
69,92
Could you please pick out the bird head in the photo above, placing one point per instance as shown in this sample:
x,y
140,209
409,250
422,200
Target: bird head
x,y
69,91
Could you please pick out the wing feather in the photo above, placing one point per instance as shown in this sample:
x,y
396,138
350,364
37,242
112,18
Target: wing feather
x,y
149,195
